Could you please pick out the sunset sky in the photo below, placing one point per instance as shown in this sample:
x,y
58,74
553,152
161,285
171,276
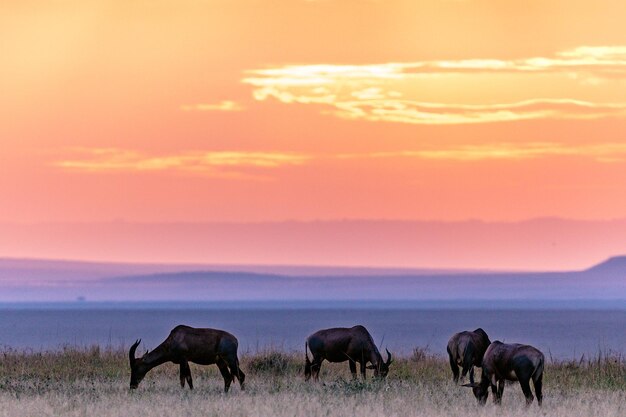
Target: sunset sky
x,y
247,111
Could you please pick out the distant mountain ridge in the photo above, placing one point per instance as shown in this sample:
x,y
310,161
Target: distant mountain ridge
x,y
84,270
613,265
605,281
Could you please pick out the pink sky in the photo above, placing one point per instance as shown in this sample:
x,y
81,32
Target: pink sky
x,y
250,111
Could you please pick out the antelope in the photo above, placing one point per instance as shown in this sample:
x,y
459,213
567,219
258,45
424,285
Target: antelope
x,y
509,362
187,344
344,344
467,349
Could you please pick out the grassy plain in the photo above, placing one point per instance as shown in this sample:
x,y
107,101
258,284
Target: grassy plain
x,y
94,382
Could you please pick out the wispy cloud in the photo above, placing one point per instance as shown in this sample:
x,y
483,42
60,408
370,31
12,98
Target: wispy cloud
x,y
371,92
259,165
219,164
598,59
603,152
407,111
226,105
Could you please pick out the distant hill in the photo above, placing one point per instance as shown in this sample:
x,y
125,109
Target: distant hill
x,y
48,270
614,265
115,282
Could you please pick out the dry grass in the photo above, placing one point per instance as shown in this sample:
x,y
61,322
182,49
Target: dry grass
x,y
94,382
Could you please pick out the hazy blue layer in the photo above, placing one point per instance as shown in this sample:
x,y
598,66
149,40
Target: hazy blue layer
x,y
521,304
560,331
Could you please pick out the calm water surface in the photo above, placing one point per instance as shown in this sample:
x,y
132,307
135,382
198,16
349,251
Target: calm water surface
x,y
562,333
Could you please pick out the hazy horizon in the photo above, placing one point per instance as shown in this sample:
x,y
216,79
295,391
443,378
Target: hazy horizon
x,y
45,280
545,244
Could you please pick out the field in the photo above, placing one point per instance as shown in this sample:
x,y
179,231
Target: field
x,y
94,382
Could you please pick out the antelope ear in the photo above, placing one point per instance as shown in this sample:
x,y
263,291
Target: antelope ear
x,y
370,367
474,385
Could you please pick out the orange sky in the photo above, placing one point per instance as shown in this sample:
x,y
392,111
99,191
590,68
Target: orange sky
x,y
250,110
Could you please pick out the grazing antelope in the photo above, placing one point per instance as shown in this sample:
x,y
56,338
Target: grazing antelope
x,y
466,349
509,362
353,344
187,344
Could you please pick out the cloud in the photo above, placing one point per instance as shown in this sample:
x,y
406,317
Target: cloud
x,y
603,152
370,92
599,59
218,163
257,165
406,111
226,105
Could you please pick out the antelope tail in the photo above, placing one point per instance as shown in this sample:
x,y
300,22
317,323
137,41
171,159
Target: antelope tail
x,y
307,363
468,358
538,370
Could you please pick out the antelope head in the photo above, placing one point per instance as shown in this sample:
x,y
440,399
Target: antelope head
x,y
137,368
381,369
480,390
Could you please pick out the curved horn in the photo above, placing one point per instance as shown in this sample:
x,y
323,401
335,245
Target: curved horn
x,y
131,352
388,357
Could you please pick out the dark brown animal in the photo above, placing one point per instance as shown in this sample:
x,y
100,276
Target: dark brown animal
x,y
187,344
510,362
466,349
344,344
